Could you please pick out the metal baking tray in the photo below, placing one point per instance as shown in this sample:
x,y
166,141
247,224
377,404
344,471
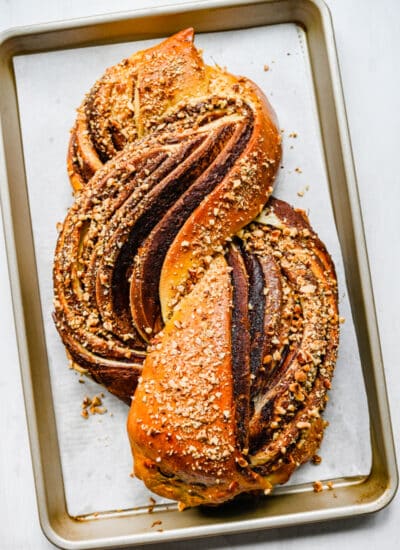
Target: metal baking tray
x,y
117,529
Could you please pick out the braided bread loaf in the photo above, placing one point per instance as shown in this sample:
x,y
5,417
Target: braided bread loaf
x,y
167,277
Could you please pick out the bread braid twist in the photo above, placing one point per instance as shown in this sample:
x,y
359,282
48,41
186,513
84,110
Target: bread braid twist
x,y
167,276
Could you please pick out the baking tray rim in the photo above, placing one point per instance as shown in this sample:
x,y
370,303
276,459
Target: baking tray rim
x,y
9,43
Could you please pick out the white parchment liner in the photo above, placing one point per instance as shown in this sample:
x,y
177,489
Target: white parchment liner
x,y
95,454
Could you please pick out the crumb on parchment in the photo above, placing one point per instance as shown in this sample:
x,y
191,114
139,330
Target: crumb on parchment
x,y
316,459
93,405
302,192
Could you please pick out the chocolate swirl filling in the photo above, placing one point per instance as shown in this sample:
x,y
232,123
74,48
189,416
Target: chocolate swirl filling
x,y
114,239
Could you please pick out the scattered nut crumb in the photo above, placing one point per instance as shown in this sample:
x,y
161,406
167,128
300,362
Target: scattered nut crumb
x,y
342,320
98,410
151,506
157,522
302,192
318,487
266,68
96,401
316,459
86,402
293,135
330,485
298,170
93,406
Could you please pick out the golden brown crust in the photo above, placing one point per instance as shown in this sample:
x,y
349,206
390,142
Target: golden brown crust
x,y
182,424
286,427
129,100
237,200
173,160
186,434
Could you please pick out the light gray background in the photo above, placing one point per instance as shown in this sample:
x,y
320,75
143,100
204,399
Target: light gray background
x,y
368,47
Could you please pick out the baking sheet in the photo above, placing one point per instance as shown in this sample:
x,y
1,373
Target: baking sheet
x,y
95,453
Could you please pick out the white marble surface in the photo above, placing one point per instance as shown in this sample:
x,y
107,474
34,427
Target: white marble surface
x,y
368,44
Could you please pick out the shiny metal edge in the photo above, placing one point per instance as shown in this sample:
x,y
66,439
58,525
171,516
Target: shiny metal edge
x,y
381,402
383,479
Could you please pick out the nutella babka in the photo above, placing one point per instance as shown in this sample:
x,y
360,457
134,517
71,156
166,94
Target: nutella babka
x,y
183,286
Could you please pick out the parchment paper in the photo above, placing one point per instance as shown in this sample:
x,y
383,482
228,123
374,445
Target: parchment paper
x,y
95,454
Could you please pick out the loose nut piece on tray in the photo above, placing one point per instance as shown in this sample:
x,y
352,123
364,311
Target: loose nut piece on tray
x,y
181,284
